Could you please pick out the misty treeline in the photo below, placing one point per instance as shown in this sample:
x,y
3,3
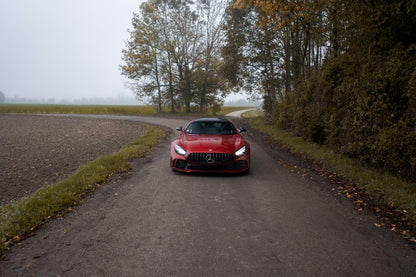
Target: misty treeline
x,y
173,55
336,72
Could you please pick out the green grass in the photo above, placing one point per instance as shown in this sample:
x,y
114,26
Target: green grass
x,y
21,216
75,109
98,109
384,187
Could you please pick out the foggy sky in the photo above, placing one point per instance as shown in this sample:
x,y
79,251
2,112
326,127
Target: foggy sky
x,y
63,49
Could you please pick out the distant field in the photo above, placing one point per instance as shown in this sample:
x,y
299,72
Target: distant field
x,y
76,109
96,109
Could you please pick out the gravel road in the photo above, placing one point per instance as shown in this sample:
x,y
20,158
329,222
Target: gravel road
x,y
271,222
239,113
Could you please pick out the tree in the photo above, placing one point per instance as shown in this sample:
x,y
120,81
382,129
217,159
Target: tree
x,y
187,48
172,55
300,26
211,80
143,54
255,55
349,74
2,97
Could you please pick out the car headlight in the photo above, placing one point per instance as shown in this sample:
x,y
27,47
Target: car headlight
x,y
241,151
179,150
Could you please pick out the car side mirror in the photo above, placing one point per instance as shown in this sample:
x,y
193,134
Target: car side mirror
x,y
180,129
242,129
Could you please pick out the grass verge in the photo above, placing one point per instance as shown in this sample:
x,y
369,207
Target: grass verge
x,y
22,216
385,188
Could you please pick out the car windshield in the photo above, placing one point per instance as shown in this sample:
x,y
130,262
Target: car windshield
x,y
211,128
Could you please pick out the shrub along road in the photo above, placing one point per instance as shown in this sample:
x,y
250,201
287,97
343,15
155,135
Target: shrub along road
x,y
271,222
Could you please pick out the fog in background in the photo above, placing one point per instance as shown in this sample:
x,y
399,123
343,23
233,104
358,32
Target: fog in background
x,y
62,51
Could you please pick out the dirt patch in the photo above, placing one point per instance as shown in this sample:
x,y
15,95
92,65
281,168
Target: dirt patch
x,y
37,150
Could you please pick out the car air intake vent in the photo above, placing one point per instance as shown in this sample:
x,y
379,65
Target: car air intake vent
x,y
210,158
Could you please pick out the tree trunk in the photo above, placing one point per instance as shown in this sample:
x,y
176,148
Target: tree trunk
x,y
187,92
159,93
202,106
171,90
287,58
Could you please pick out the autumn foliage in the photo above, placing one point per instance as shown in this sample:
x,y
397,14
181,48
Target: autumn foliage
x,y
346,75
172,57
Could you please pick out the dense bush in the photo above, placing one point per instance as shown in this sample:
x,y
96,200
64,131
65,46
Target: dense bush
x,y
341,73
363,105
362,101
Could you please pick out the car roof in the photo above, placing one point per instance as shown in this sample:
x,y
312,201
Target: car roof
x,y
211,120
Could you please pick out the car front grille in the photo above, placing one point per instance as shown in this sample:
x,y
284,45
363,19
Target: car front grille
x,y
210,158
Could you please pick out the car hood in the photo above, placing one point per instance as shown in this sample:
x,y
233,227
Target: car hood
x,y
211,143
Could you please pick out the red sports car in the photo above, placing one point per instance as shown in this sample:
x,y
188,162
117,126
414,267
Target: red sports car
x,y
210,144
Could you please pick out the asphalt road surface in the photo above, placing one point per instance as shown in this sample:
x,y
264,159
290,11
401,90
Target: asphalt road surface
x,y
271,222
